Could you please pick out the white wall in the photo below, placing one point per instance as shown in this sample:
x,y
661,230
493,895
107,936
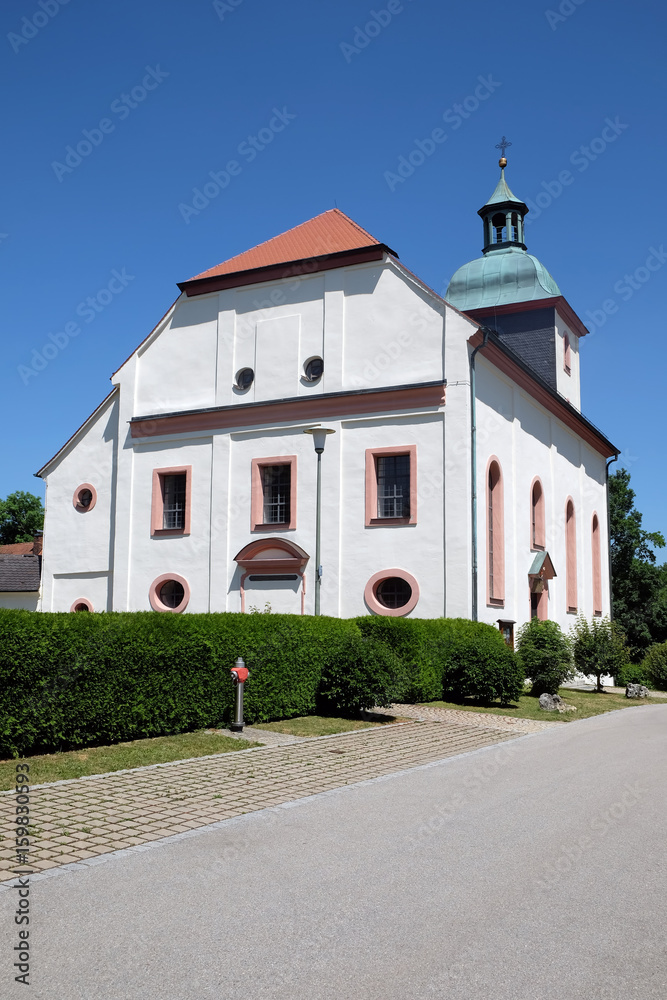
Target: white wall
x,y
567,385
28,601
529,441
81,542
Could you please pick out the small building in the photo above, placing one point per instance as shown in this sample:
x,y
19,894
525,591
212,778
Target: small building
x,y
461,477
19,579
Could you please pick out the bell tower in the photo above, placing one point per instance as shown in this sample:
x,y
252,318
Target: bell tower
x,y
503,214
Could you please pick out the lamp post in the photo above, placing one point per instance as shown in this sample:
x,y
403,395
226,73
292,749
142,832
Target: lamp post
x,y
319,437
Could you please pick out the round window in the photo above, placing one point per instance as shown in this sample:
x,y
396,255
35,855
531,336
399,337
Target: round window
x,y
85,498
393,592
172,593
81,604
244,378
314,369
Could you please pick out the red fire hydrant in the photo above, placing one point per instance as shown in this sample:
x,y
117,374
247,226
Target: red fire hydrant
x,y
240,674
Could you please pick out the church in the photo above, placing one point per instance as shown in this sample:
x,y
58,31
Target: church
x,y
312,429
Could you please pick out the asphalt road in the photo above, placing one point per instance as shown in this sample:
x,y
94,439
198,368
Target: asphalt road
x,y
527,871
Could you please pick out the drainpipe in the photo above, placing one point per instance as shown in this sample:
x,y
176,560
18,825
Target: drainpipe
x,y
473,466
606,477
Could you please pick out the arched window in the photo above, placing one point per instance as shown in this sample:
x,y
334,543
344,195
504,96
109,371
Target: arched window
x,y
515,227
537,532
571,558
567,354
597,568
495,535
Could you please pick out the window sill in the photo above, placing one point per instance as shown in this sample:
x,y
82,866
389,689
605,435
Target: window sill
x,y
384,522
537,548
168,532
496,602
571,611
278,526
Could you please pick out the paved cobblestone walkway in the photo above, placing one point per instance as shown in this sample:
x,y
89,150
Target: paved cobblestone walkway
x,y
480,720
80,818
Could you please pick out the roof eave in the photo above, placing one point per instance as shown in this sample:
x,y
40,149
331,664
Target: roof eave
x,y
302,267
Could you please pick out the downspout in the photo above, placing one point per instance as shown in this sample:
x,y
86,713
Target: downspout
x,y
473,466
611,596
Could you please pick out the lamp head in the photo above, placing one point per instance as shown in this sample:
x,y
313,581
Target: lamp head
x,y
319,435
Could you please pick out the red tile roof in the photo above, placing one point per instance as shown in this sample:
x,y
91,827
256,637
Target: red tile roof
x,y
18,549
329,233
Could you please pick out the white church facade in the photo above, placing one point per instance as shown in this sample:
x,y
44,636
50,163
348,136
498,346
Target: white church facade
x,y
461,478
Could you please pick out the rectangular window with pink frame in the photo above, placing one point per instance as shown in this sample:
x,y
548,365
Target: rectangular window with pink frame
x,y
172,501
273,493
391,486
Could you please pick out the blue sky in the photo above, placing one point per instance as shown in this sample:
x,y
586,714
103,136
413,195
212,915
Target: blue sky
x,y
181,86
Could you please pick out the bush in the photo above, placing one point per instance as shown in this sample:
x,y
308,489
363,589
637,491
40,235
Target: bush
x,y
364,673
545,655
598,648
654,666
477,662
632,673
421,668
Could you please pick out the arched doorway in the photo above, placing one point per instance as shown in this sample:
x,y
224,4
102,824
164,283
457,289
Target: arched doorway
x,y
273,569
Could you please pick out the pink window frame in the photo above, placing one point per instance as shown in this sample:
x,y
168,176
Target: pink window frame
x,y
567,354
538,537
156,586
157,503
257,494
81,600
77,493
379,609
570,558
371,506
497,598
597,565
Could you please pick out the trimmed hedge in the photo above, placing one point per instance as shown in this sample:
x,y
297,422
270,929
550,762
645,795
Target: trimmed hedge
x,y
69,681
451,658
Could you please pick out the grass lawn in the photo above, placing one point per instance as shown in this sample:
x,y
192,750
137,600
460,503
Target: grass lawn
x,y
322,725
587,703
137,753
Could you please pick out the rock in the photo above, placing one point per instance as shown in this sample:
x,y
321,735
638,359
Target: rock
x,y
548,702
636,691
554,703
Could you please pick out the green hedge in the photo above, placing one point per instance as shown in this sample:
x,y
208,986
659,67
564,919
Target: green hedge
x,y
76,680
451,658
70,681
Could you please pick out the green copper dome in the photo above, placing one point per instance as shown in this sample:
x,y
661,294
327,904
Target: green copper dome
x,y
499,277
505,272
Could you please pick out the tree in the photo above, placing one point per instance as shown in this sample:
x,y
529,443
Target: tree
x,y
598,647
21,515
545,655
639,587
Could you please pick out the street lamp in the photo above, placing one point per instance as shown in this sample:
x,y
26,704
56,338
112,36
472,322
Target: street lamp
x,y
319,437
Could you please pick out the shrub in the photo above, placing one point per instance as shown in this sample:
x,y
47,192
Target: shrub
x,y
364,673
632,673
598,647
654,666
410,639
545,655
477,662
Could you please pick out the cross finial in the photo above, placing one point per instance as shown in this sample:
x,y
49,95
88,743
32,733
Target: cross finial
x,y
502,145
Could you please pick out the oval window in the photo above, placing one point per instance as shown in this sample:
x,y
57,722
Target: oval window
x,y
85,498
314,369
172,593
393,592
244,378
